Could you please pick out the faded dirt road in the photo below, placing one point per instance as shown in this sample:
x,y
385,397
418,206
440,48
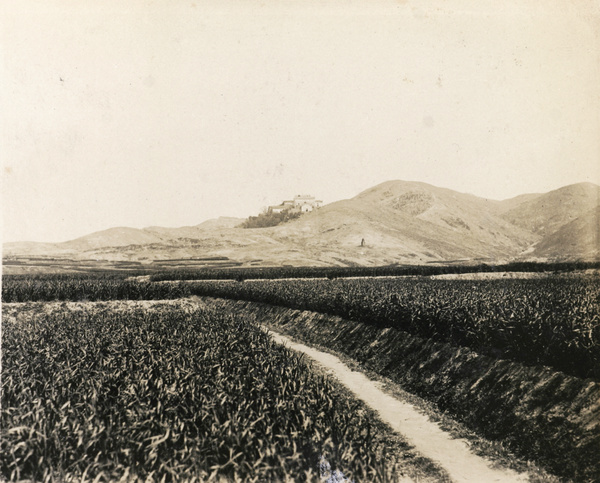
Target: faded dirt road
x,y
427,437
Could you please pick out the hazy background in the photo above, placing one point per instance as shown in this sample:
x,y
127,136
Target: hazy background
x,y
141,113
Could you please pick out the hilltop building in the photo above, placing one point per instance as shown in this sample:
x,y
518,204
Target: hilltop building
x,y
300,204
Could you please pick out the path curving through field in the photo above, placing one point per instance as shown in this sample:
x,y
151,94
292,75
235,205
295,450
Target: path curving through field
x,y
426,436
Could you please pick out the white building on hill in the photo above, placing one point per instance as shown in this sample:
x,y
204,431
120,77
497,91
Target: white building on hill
x,y
300,203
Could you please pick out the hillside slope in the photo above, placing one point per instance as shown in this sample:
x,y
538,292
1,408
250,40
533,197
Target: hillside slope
x,y
415,220
578,239
393,222
547,213
113,237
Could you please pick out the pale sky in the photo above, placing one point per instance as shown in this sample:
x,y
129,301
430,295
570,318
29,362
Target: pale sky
x,y
161,112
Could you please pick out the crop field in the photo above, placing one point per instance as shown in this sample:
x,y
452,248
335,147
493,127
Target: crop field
x,y
169,390
115,378
272,273
23,288
552,321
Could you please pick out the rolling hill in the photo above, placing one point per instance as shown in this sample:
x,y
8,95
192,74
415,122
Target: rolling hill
x,y
545,214
399,221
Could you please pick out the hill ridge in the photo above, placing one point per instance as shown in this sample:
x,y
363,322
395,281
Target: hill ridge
x,y
399,221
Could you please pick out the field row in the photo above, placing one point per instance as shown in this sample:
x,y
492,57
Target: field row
x,y
271,273
169,390
82,288
540,414
552,321
549,321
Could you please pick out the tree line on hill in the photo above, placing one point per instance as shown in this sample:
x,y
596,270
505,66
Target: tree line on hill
x,y
270,218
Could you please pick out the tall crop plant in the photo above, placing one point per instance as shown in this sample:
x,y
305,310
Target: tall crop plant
x,y
245,273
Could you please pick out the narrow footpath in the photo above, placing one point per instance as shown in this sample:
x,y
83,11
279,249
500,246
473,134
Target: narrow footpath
x,y
426,436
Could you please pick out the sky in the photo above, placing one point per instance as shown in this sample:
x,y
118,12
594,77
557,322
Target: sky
x,y
168,113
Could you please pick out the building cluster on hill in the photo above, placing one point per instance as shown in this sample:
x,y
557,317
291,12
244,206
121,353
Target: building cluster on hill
x,y
300,204
287,211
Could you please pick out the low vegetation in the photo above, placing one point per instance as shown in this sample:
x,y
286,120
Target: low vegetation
x,y
267,219
152,389
538,413
247,273
549,321
168,391
84,287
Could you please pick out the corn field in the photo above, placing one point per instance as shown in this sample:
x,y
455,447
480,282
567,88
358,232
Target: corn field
x,y
90,288
271,273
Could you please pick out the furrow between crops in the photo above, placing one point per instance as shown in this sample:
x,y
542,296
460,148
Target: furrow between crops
x,y
427,437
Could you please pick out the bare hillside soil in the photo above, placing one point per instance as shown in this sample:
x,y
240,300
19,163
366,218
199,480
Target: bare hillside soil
x,y
541,414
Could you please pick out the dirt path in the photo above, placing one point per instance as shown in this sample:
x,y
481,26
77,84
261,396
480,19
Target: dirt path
x,y
452,454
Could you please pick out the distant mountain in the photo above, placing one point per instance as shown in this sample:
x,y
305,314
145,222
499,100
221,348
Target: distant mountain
x,y
578,239
413,221
113,237
220,223
396,221
545,214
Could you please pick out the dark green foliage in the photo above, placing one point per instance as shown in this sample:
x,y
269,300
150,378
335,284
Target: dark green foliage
x,y
66,287
165,392
548,321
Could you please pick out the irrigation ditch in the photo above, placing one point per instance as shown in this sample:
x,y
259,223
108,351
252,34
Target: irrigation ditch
x,y
453,455
540,414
